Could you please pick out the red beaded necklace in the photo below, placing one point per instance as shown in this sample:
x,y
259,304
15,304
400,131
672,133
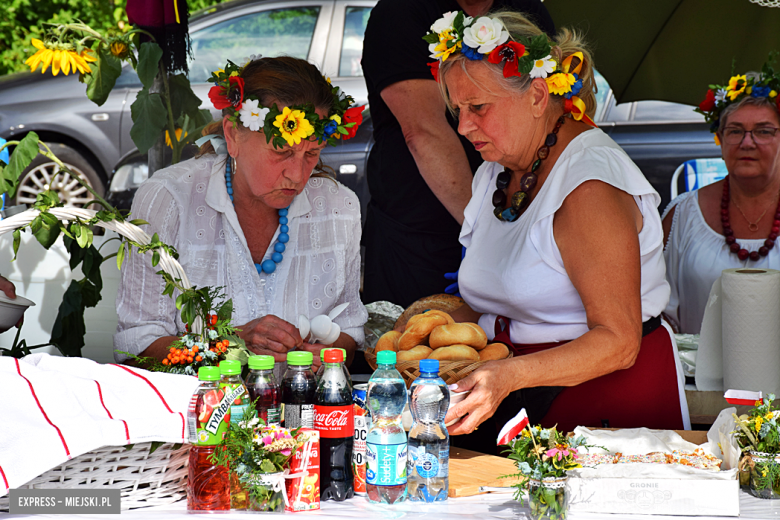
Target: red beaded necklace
x,y
734,246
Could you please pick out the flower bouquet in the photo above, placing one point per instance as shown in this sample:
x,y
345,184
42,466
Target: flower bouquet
x,y
257,455
543,457
758,436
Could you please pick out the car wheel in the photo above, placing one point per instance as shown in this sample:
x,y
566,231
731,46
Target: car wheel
x,y
43,174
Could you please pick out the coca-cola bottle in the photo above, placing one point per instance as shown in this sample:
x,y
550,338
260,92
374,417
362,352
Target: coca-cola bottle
x,y
333,417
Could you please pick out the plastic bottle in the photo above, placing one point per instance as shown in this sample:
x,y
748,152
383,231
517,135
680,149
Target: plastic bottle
x,y
208,487
386,447
298,388
429,441
343,365
263,389
235,390
335,422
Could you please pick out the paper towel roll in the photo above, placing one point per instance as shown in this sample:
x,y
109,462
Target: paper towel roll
x,y
751,329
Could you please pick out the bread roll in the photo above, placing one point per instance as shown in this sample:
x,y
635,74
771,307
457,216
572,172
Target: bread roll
x,y
494,351
432,312
442,302
455,353
388,341
418,352
418,332
469,334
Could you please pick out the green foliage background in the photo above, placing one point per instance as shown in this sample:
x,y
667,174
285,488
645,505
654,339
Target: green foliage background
x,y
22,20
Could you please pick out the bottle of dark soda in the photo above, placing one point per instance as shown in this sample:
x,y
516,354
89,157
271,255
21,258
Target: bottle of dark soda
x,y
263,389
298,388
335,421
208,487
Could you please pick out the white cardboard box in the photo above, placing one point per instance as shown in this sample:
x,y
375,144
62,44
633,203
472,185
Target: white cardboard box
x,y
654,496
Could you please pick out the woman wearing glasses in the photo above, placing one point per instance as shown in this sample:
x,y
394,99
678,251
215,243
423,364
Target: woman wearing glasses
x,y
734,222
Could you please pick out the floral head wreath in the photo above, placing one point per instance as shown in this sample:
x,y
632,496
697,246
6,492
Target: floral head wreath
x,y
764,85
287,125
487,37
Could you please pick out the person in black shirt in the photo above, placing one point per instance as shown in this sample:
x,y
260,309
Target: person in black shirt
x,y
420,170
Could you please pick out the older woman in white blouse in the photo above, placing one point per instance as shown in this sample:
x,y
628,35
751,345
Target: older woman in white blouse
x,y
227,215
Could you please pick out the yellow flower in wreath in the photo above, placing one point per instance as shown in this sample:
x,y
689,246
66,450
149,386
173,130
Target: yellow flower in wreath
x,y
560,84
759,422
442,50
293,125
736,86
60,57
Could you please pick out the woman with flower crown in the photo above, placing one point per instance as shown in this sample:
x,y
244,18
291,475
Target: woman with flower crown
x,y
733,222
564,251
249,215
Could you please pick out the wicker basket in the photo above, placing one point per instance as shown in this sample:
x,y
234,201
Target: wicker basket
x,y
450,371
145,479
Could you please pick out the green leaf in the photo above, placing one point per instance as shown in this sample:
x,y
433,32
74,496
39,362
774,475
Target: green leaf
x,y
120,256
17,241
68,331
183,99
23,155
148,60
431,38
155,258
154,446
104,75
149,119
267,466
225,310
139,222
47,230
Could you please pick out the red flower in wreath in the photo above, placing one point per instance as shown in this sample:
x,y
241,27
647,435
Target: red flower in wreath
x,y
353,115
709,101
233,97
509,53
434,65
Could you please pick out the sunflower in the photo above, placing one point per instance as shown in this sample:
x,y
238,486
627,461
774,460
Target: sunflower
x,y
61,56
178,137
561,83
737,86
293,125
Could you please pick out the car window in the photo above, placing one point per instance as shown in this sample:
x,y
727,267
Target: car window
x,y
270,33
665,111
602,95
355,22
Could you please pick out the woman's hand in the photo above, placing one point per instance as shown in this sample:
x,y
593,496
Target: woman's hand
x,y
10,290
270,335
489,385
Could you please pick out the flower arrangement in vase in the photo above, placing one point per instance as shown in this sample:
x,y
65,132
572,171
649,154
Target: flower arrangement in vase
x,y
257,455
544,457
758,435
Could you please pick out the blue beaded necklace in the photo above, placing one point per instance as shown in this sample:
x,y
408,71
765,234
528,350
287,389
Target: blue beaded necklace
x,y
267,266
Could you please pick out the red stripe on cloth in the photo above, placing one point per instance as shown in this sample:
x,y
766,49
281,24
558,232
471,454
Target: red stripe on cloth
x,y
32,390
100,393
148,383
183,421
5,480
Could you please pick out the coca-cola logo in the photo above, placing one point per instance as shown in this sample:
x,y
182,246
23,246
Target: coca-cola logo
x,y
334,421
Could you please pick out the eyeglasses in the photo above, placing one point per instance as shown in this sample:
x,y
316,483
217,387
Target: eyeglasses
x,y
735,135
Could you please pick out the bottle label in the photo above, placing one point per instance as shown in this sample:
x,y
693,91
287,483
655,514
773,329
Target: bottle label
x,y
211,417
192,419
298,416
334,421
236,399
427,465
386,464
271,415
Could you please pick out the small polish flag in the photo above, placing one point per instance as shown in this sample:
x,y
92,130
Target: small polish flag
x,y
742,397
513,428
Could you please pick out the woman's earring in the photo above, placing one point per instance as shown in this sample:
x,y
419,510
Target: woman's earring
x,y
233,165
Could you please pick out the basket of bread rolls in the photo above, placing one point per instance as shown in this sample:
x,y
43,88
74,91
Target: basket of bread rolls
x,y
460,348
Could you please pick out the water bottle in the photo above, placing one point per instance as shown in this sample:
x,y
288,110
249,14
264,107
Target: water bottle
x,y
386,440
429,441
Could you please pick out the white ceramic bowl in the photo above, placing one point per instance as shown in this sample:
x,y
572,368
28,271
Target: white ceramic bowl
x,y
11,310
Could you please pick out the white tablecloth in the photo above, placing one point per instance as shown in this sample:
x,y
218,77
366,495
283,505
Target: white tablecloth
x,y
481,507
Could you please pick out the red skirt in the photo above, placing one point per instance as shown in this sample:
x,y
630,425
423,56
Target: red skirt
x,y
645,395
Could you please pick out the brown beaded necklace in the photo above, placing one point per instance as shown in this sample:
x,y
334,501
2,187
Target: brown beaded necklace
x,y
521,198
731,240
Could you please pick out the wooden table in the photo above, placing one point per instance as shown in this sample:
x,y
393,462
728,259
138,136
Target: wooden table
x,y
704,406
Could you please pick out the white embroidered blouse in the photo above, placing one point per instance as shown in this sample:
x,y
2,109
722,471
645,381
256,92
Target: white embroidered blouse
x,y
187,205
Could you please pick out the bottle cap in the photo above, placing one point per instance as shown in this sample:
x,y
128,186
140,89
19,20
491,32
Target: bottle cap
x,y
299,357
230,367
261,362
333,355
208,373
429,365
343,352
385,357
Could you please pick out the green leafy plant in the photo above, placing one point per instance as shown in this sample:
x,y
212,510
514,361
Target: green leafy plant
x,y
758,435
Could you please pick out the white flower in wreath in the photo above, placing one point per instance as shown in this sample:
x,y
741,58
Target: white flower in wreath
x,y
543,67
252,116
720,95
446,21
485,34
